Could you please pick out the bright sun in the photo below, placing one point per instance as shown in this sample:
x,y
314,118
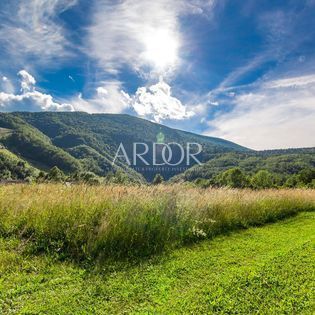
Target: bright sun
x,y
161,49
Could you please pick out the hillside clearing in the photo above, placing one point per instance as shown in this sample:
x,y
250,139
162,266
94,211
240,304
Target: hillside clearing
x,y
264,270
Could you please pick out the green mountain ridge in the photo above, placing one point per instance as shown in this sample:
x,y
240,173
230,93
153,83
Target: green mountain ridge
x,y
77,140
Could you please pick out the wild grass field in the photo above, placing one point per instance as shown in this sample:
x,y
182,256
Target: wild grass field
x,y
86,222
165,250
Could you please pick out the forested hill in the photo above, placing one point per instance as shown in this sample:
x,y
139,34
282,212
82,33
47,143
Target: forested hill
x,y
76,140
281,163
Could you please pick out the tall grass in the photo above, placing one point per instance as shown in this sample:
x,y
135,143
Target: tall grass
x,y
85,222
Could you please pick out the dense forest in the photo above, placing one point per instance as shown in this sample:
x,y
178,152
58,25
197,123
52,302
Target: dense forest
x,y
266,169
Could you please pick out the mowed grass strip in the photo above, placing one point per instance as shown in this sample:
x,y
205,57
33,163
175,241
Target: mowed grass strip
x,y
262,270
88,223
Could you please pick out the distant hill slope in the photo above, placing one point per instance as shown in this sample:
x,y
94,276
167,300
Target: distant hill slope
x,y
27,141
33,145
90,141
282,162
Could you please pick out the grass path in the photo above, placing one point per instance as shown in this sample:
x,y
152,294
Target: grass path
x,y
265,270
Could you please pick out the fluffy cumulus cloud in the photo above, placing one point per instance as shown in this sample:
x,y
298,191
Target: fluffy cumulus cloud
x,y
277,114
30,99
31,29
108,98
156,103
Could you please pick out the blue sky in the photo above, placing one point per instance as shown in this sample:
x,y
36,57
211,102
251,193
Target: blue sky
x,y
241,70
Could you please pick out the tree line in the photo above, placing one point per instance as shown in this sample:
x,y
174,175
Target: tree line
x,y
263,179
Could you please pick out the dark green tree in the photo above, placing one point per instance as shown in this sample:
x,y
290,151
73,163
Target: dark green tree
x,y
306,176
262,179
202,182
56,175
120,177
41,177
292,181
158,179
234,178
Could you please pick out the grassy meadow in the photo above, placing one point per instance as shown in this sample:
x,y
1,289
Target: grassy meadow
x,y
165,249
89,223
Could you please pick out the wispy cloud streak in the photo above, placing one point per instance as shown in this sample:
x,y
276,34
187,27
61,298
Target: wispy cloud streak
x,y
31,30
276,114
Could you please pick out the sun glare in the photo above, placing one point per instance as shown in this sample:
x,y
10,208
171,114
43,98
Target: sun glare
x,y
161,49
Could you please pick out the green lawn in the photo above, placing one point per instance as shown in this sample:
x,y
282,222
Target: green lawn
x,y
265,270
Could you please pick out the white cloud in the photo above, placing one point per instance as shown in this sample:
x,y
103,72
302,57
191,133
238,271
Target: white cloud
x,y
278,114
156,103
31,29
214,103
143,34
108,98
30,99
291,82
101,91
119,34
27,81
